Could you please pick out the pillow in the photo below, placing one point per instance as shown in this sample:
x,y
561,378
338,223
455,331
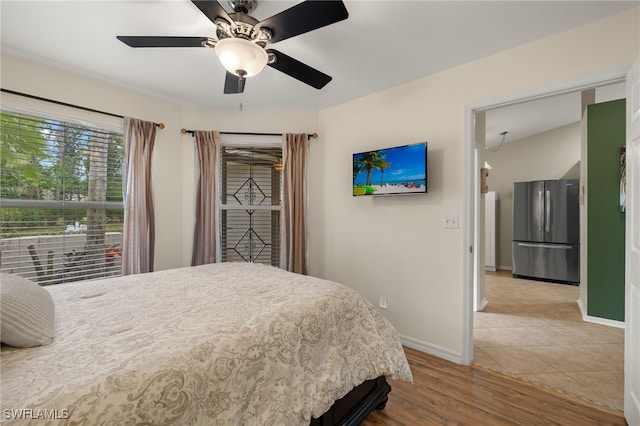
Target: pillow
x,y
27,312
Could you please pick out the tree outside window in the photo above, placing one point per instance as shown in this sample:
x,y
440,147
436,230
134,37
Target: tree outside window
x,y
60,199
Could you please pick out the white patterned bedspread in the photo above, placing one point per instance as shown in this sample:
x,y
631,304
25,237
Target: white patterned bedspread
x,y
229,343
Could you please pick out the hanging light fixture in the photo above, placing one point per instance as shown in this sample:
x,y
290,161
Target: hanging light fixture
x,y
504,136
241,57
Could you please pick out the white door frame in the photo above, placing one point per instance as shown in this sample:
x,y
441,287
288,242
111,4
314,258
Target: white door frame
x,y
632,253
470,170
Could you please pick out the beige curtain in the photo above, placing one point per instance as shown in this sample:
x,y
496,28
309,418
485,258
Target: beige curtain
x,y
205,242
293,244
139,224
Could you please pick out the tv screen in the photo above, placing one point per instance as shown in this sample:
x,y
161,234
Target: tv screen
x,y
391,171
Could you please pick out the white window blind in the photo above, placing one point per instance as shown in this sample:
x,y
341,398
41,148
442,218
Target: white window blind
x,y
61,210
250,203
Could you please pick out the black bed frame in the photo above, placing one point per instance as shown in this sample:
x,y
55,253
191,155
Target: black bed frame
x,y
356,405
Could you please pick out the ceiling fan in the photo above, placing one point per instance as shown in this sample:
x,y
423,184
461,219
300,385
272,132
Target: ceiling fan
x,y
241,40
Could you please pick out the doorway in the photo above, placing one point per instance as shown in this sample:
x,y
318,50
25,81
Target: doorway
x,y
474,228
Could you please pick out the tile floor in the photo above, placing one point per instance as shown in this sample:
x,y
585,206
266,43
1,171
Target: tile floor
x,y
534,330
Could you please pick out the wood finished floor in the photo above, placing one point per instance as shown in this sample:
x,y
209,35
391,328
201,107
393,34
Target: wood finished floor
x,y
445,393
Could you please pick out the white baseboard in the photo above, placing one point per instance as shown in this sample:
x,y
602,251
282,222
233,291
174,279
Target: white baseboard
x,y
508,268
483,304
456,357
431,349
583,309
598,320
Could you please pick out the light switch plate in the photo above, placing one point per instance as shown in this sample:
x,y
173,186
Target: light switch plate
x,y
450,222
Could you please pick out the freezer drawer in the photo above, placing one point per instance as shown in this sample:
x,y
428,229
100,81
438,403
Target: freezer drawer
x,y
553,262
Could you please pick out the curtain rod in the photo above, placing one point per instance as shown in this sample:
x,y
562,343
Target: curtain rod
x,y
160,125
192,133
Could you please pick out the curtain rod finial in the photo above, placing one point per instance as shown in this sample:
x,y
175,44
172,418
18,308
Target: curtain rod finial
x,y
314,136
160,125
183,131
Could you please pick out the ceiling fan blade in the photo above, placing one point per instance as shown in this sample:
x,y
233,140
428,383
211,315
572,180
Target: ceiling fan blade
x,y
147,41
212,10
304,17
298,70
233,84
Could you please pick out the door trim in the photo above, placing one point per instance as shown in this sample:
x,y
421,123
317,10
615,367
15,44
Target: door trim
x,y
471,254
632,252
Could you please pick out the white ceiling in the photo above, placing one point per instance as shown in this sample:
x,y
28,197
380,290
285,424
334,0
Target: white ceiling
x,y
382,44
530,118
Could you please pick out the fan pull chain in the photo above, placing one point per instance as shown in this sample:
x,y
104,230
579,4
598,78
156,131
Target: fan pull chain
x,y
240,85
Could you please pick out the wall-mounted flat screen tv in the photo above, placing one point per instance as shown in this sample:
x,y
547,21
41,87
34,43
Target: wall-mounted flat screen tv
x,y
391,171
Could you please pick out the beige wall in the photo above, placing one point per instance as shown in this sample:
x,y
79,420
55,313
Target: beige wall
x,y
391,246
396,246
231,120
173,157
53,83
547,155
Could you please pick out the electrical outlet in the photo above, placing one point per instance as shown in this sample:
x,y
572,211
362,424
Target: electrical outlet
x,y
383,302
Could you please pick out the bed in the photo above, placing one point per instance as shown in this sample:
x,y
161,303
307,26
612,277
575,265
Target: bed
x,y
229,343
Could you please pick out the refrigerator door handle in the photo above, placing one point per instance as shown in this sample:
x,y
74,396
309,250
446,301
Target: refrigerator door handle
x,y
547,206
540,211
548,246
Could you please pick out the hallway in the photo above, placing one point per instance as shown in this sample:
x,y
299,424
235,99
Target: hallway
x,y
533,330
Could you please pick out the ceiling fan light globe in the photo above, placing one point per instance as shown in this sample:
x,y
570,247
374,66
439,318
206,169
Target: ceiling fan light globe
x,y
237,54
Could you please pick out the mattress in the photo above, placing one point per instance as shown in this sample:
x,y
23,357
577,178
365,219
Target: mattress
x,y
228,343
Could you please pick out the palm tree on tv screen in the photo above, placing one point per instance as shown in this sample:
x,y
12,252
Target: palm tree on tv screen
x,y
382,166
370,161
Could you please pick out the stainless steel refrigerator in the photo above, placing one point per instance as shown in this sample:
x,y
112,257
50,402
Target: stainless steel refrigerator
x,y
546,230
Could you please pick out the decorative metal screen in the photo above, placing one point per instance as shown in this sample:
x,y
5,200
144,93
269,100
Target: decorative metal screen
x,y
250,204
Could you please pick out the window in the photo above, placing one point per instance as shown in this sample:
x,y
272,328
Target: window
x,y
61,210
251,185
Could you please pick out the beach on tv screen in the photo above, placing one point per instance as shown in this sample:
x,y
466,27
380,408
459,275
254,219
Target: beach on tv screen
x,y
397,170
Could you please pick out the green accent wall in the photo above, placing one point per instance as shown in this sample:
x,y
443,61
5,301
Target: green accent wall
x,y
605,223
